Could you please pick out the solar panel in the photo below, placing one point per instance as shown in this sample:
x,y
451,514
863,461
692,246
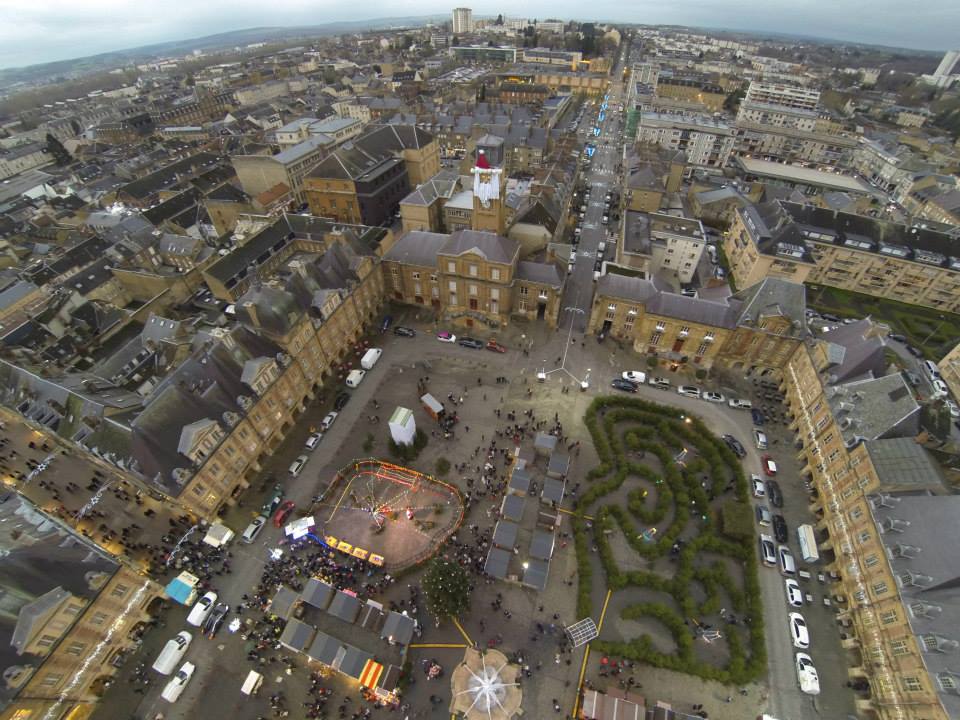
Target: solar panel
x,y
582,632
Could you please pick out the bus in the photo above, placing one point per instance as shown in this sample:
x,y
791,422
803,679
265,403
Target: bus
x,y
808,543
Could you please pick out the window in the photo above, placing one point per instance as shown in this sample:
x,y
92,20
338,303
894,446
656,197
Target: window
x,y
871,560
472,289
702,350
120,590
99,618
912,684
452,285
863,537
661,326
522,305
415,275
524,290
856,513
451,267
708,337
494,273
473,271
888,617
76,648
494,293
655,338
879,588
46,641
899,647
51,680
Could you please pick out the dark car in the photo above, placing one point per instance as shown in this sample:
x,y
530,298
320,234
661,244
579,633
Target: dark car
x,y
774,493
625,385
404,331
273,502
215,620
386,323
780,528
898,338
757,416
342,399
735,445
913,351
830,318
470,342
283,513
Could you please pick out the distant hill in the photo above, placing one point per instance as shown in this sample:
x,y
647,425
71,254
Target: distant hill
x,y
94,63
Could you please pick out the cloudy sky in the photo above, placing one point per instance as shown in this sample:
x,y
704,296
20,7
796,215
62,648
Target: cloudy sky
x,y
33,31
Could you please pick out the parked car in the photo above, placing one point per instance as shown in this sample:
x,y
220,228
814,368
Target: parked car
x,y
807,675
759,491
689,391
274,502
774,493
711,396
660,382
343,397
735,445
328,421
446,337
403,331
940,388
763,515
635,376
253,529
213,623
798,631
780,528
898,338
769,466
494,346
174,688
788,565
202,609
472,343
313,440
283,512
768,551
296,467
625,385
737,404
914,351
794,593
757,416
172,653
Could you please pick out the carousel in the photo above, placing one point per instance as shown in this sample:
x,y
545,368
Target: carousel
x,y
485,686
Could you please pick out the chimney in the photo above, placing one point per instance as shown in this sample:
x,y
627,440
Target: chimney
x,y
251,308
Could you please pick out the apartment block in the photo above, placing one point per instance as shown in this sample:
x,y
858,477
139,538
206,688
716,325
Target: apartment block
x,y
806,243
658,243
783,95
706,141
260,173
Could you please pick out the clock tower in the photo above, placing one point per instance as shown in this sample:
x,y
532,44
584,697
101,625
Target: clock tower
x,y
489,187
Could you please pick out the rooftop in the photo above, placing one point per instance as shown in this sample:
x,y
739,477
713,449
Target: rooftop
x,y
804,176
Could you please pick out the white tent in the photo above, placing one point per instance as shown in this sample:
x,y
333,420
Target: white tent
x,y
218,534
403,426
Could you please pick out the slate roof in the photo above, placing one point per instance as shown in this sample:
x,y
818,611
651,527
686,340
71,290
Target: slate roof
x,y
490,246
512,508
297,635
903,464
623,287
505,534
283,601
852,354
874,408
417,247
696,310
367,152
398,626
774,297
344,606
317,593
535,574
442,185
540,273
541,545
497,563
553,490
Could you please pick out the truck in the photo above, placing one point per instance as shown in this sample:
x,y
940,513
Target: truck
x,y
808,543
355,378
370,358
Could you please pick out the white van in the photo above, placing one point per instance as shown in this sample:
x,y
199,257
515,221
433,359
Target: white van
x,y
932,370
172,653
355,378
253,529
601,248
760,439
940,389
174,689
370,358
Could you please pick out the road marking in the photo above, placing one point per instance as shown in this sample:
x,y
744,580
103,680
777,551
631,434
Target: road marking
x,y
463,632
438,645
583,671
571,512
603,612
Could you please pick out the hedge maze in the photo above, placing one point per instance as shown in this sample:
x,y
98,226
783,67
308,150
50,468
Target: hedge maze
x,y
688,518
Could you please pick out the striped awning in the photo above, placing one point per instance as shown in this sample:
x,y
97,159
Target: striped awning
x,y
371,674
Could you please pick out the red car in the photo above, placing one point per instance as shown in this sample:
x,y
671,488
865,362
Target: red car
x,y
769,466
283,512
495,346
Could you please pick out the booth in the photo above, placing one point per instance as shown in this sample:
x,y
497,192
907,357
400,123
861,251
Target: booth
x,y
218,534
251,686
183,588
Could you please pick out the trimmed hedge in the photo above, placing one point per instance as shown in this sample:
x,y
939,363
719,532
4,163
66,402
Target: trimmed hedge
x,y
624,431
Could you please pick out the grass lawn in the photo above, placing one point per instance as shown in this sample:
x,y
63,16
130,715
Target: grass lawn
x,y
934,332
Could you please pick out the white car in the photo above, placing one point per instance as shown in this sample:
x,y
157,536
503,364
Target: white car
x,y
173,690
953,408
660,382
807,675
711,396
634,376
446,337
328,421
768,551
313,441
296,467
759,489
798,631
202,609
689,390
794,593
737,404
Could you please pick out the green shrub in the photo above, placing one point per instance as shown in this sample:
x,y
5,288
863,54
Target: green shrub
x,y
443,466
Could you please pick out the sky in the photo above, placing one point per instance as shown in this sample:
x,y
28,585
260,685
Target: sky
x,y
44,30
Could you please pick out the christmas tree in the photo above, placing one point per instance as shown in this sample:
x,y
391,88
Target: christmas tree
x,y
447,587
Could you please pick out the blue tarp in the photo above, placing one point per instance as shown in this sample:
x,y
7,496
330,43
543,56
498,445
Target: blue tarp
x,y
181,590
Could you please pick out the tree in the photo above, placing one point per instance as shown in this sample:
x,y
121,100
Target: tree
x,y
56,148
447,587
443,466
499,19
